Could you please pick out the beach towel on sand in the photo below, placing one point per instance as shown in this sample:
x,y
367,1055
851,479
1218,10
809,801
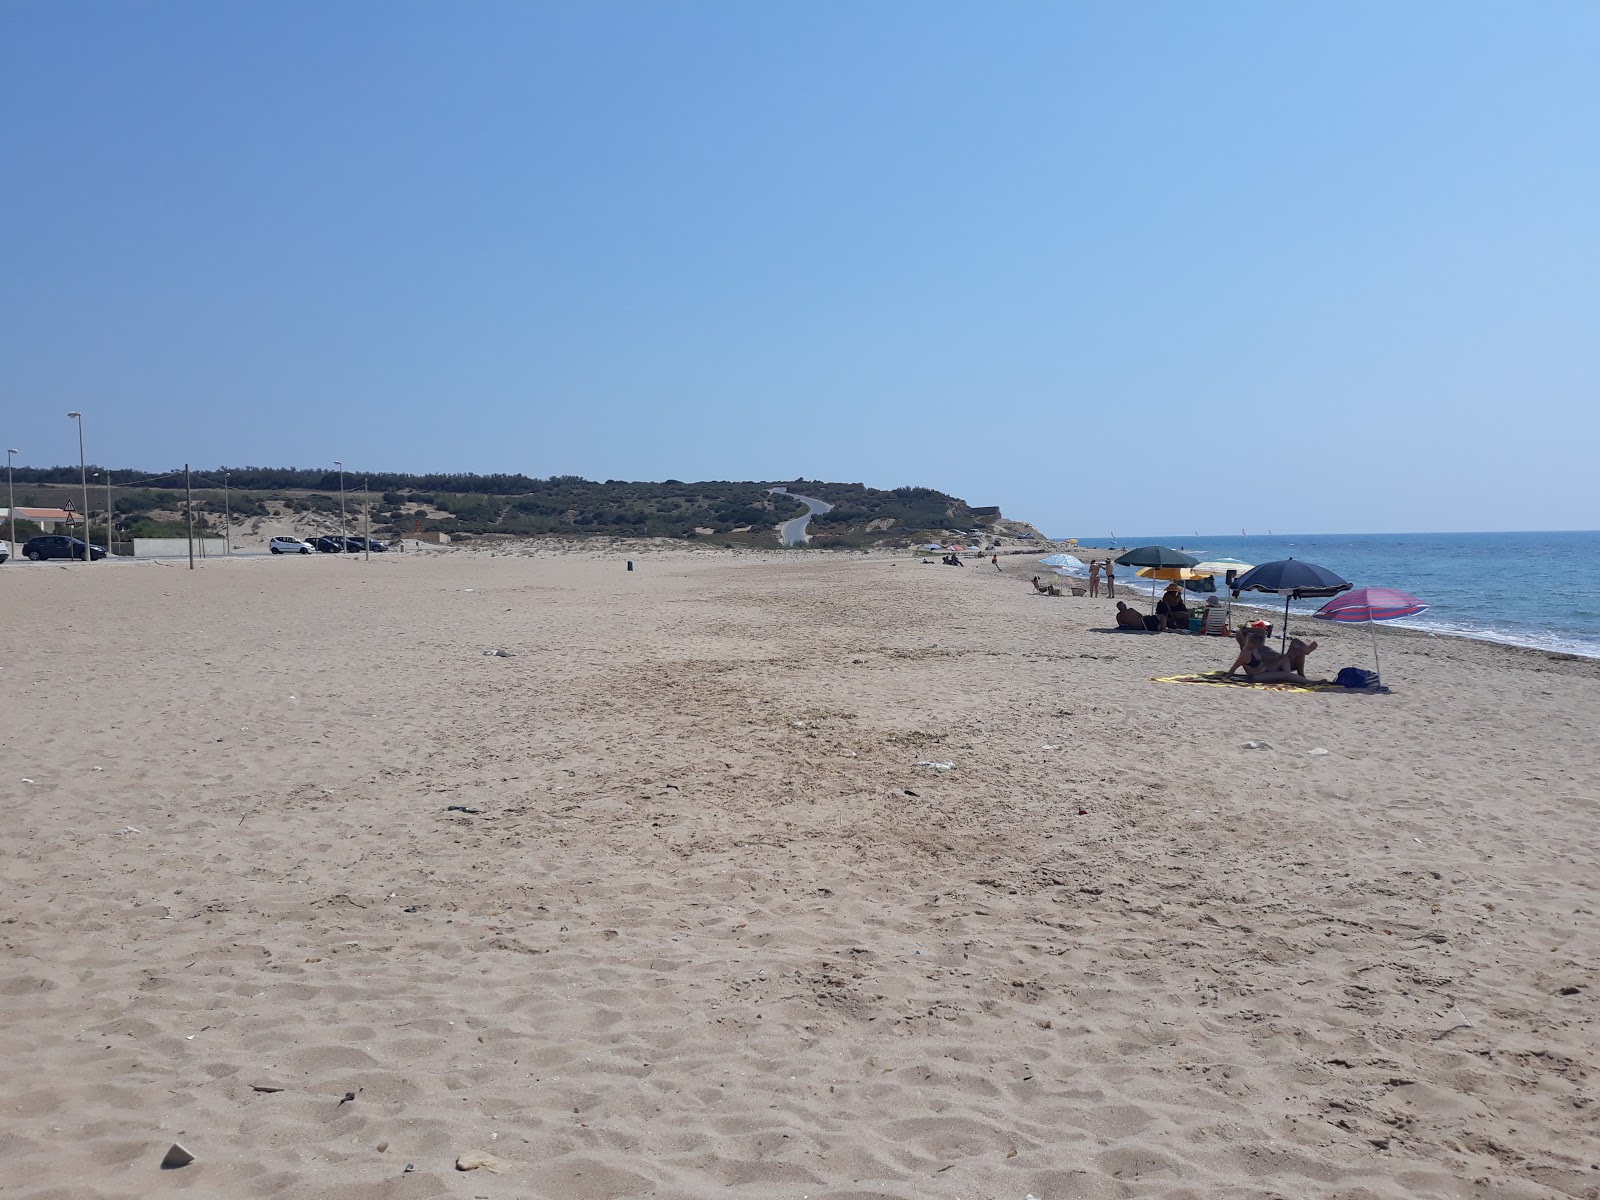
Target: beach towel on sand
x,y
1223,679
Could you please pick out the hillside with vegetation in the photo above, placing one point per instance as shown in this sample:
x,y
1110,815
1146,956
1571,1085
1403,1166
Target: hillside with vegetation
x,y
721,512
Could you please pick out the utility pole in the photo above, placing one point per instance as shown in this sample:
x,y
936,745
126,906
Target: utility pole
x,y
110,512
366,524
188,504
11,500
227,516
342,546
83,473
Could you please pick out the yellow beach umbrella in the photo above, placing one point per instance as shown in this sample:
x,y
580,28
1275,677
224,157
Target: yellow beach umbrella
x,y
1173,574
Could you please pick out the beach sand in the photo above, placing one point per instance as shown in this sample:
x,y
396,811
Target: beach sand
x,y
721,925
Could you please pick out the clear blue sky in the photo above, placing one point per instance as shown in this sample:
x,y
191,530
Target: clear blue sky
x,y
1146,266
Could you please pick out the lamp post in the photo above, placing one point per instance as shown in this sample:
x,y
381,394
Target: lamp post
x,y
227,517
83,474
11,501
342,546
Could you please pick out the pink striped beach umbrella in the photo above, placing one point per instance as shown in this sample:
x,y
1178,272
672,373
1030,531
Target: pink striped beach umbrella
x,y
1371,604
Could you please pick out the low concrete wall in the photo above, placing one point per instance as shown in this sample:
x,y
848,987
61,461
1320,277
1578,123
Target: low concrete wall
x,y
178,547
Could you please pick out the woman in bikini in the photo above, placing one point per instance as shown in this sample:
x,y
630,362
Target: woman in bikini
x,y
1263,664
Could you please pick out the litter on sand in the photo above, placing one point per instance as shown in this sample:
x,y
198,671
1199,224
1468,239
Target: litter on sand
x,y
937,766
176,1157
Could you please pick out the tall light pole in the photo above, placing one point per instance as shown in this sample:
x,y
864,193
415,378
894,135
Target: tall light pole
x,y
11,500
342,546
227,516
83,473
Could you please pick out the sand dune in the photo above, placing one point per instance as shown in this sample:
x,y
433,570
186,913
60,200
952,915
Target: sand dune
x,y
717,929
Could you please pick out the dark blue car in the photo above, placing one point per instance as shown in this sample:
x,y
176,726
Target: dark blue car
x,y
55,545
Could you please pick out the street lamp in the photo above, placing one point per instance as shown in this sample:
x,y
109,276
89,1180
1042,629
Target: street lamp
x,y
83,474
11,500
342,546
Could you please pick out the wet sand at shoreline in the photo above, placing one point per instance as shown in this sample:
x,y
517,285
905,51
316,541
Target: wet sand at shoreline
x,y
723,922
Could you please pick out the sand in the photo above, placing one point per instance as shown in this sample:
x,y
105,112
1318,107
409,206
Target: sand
x,y
718,928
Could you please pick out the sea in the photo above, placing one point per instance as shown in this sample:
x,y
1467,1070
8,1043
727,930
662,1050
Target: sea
x,y
1540,590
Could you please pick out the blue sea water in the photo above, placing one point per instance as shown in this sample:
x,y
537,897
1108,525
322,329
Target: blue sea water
x,y
1540,590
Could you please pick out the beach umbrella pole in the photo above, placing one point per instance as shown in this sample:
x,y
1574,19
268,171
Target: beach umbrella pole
x,y
1283,643
1372,628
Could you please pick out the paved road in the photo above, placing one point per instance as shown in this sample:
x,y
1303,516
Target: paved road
x,y
118,559
794,532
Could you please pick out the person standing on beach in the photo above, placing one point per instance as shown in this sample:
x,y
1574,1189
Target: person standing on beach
x,y
1111,580
1094,577
994,559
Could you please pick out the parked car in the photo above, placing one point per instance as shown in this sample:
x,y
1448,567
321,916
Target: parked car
x,y
366,543
328,545
4,554
288,545
55,545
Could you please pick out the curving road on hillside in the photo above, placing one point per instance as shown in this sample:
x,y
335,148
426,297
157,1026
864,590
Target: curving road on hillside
x,y
794,532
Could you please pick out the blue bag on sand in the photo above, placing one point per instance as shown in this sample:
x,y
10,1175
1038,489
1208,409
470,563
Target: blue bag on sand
x,y
1355,677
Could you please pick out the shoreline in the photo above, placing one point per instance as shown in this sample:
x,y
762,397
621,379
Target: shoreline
x,y
1516,640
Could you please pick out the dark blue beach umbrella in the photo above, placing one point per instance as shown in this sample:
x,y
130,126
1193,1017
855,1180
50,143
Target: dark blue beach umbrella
x,y
1156,556
1293,580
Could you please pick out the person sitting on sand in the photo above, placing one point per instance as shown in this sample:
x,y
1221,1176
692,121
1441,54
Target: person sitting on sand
x,y
1263,664
1172,609
1129,618
1253,651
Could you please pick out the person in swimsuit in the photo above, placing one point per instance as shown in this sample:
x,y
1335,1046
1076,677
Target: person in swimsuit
x,y
1094,578
1129,618
1263,664
1111,580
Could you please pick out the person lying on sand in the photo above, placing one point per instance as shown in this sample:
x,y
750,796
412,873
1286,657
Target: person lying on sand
x,y
1129,618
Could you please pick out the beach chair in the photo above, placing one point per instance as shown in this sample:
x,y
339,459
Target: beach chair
x,y
1216,622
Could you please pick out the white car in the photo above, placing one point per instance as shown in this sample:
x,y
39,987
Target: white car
x,y
288,545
